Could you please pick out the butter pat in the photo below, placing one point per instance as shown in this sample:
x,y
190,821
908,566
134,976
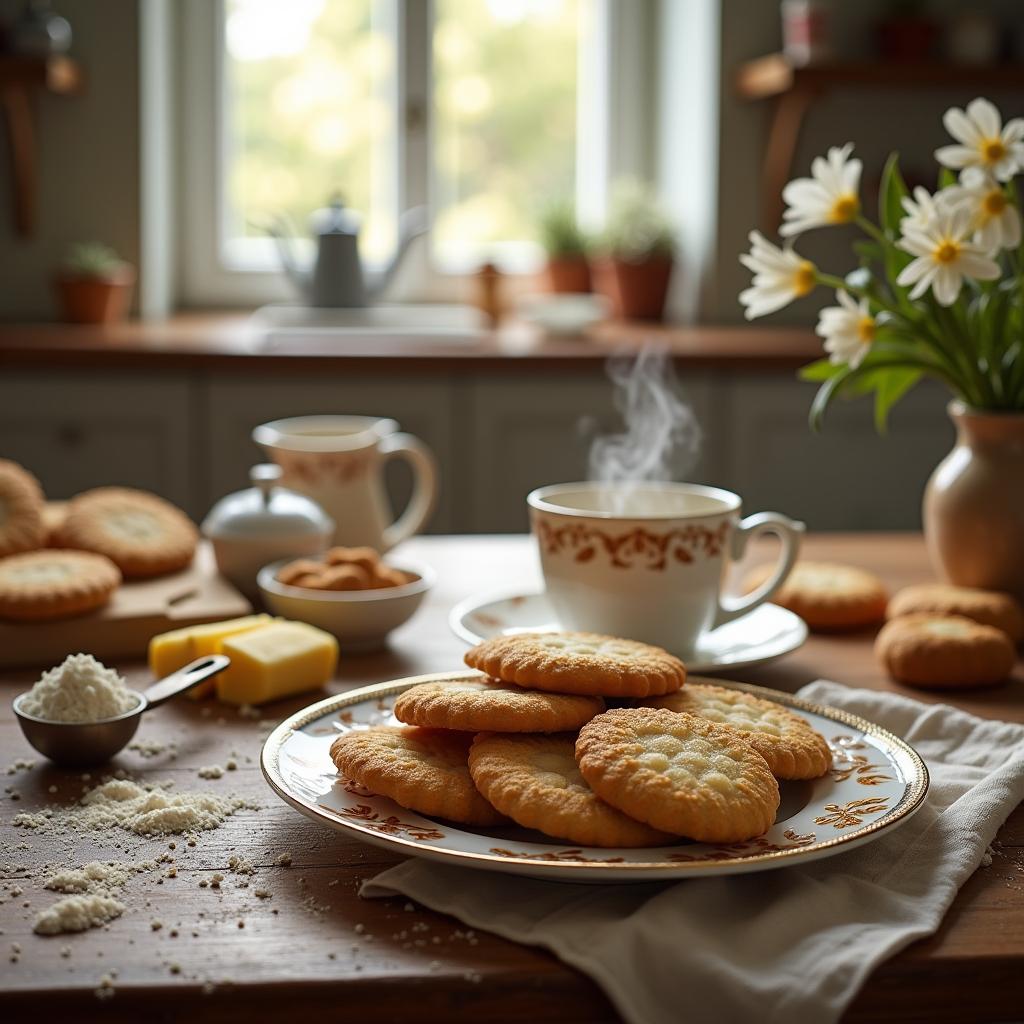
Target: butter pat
x,y
276,661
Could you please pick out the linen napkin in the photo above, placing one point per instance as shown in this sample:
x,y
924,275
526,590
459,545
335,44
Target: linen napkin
x,y
789,944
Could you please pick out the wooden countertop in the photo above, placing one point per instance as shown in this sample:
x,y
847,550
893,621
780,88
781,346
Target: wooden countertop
x,y
230,341
302,953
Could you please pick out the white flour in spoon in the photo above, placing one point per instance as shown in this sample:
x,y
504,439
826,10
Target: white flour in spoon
x,y
80,689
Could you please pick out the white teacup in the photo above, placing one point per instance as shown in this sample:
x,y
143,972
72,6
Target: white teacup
x,y
648,561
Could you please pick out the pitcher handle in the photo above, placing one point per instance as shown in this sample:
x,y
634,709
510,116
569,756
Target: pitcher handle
x,y
789,532
424,494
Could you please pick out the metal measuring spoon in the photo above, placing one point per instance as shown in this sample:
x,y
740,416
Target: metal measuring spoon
x,y
81,744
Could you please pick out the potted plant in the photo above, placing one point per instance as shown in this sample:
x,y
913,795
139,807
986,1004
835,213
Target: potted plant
x,y
567,268
939,292
94,285
638,247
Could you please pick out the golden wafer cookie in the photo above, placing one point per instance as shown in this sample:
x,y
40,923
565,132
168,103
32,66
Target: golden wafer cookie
x,y
679,773
143,535
425,770
486,705
944,651
22,527
49,584
989,607
791,747
536,782
579,663
827,596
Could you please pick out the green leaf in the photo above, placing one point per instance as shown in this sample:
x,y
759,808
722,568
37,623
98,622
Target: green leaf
x,y
946,178
820,370
824,397
891,388
892,190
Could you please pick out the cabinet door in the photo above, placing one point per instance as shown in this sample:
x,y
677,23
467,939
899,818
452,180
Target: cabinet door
x,y
88,429
847,477
232,407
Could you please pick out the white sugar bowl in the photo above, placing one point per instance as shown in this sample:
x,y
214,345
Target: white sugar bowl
x,y
267,522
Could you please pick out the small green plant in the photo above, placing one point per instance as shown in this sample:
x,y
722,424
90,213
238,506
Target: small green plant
x,y
638,228
560,233
92,259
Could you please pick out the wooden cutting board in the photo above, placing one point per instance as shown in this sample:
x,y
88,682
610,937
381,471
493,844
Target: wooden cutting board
x,y
137,611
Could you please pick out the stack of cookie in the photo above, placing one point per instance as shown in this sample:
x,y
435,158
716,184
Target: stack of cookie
x,y
532,740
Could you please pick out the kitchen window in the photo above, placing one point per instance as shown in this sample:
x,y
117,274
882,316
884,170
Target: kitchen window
x,y
482,110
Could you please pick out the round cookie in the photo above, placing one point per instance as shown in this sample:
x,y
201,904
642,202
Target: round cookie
x,y
39,585
579,663
679,773
827,596
792,749
489,706
21,510
54,515
536,782
423,769
143,535
944,651
989,607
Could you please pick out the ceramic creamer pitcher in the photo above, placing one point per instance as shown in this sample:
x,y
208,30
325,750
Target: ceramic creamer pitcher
x,y
338,461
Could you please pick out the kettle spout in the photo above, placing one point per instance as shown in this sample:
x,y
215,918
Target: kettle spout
x,y
411,225
278,229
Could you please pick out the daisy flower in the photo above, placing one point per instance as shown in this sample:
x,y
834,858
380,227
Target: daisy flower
x,y
829,196
780,276
848,330
994,218
983,141
944,257
922,209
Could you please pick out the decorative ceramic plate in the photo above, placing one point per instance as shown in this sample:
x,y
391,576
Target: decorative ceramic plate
x,y
765,633
877,781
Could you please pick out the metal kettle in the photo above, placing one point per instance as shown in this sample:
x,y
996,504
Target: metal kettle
x,y
336,276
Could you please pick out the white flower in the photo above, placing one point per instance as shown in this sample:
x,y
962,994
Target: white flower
x,y
829,196
944,257
922,209
984,142
780,276
995,220
848,330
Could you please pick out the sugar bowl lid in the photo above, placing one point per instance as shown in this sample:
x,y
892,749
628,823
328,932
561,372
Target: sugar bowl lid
x,y
266,510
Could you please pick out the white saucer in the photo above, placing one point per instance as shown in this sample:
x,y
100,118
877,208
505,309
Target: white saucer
x,y
765,633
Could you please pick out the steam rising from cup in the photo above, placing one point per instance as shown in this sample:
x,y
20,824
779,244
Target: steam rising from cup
x,y
662,436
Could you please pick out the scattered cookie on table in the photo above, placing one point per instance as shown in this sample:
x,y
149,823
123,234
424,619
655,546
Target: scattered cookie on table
x,y
679,773
579,663
944,651
22,527
425,770
791,747
536,782
827,596
50,584
989,607
143,535
490,706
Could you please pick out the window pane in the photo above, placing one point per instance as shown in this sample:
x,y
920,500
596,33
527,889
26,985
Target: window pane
x,y
505,121
309,111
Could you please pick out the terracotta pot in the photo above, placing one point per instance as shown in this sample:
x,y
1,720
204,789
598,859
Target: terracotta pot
x,y
974,503
636,291
95,300
568,274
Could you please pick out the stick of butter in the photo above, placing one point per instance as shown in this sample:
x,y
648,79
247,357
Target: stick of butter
x,y
276,661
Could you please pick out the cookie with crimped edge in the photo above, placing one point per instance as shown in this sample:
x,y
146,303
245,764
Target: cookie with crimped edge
x,y
989,607
22,527
826,595
536,782
36,586
579,663
679,773
944,651
786,741
142,534
487,705
426,770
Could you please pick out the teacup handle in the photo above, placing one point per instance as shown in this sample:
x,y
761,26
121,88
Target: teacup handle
x,y
789,532
424,491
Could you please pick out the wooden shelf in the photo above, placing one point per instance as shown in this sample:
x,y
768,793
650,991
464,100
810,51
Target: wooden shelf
x,y
20,77
795,89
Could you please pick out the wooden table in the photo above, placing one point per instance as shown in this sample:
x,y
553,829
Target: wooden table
x,y
315,948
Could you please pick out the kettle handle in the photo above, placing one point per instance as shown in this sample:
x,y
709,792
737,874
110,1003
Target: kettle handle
x,y
424,495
